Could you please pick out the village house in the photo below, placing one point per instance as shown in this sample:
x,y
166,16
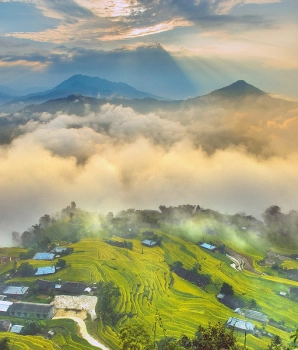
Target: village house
x,y
15,291
4,306
44,256
256,315
240,325
31,310
149,243
62,250
46,270
73,288
44,286
17,329
208,246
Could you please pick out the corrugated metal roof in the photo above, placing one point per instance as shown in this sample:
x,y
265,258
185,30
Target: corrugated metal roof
x,y
16,328
256,315
46,270
13,290
44,256
240,324
31,307
4,305
207,246
59,249
149,242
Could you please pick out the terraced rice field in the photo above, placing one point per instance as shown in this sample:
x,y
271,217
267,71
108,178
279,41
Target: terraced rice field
x,y
148,286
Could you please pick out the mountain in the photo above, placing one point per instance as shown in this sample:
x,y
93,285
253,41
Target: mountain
x,y
80,84
5,97
238,89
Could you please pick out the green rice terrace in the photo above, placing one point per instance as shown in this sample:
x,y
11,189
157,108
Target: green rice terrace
x,y
172,286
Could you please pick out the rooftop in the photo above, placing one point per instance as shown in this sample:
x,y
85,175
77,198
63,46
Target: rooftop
x,y
239,324
149,242
16,328
31,307
207,246
4,305
59,250
15,290
44,256
256,315
46,270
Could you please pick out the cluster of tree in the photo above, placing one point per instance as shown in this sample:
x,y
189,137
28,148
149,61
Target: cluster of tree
x,y
226,289
191,275
281,228
108,295
213,337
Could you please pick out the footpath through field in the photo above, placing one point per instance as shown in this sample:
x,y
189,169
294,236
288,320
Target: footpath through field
x,y
84,333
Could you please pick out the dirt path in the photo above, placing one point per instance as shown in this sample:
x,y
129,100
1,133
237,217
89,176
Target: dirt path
x,y
84,333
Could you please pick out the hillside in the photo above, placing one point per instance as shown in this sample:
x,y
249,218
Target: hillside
x,y
148,282
77,84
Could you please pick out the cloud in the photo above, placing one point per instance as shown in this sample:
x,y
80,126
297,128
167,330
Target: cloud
x,y
116,158
89,21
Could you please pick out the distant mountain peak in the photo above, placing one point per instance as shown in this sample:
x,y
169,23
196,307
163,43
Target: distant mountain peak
x,y
240,88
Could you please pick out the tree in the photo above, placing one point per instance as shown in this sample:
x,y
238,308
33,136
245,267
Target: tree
x,y
213,337
253,305
135,337
4,343
26,270
108,295
61,263
31,327
226,289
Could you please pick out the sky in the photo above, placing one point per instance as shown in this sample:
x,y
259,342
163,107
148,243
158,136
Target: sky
x,y
117,158
205,44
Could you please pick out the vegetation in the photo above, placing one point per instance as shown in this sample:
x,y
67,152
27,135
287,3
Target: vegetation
x,y
4,343
135,337
132,284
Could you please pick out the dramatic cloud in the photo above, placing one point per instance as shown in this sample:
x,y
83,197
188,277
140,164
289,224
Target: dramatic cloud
x,y
117,158
85,20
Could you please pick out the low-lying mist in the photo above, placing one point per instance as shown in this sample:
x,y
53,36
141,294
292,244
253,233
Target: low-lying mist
x,y
227,159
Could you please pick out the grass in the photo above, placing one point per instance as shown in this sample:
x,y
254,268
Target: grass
x,y
148,286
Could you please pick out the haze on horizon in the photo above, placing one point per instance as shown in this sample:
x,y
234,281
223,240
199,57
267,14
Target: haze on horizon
x,y
118,158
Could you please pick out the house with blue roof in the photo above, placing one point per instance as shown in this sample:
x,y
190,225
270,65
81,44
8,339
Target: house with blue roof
x,y
240,325
45,270
208,246
44,256
149,243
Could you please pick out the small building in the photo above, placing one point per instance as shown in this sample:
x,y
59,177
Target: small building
x,y
62,250
73,288
16,329
5,325
283,294
44,286
46,270
256,315
32,310
44,256
149,243
15,291
4,306
240,325
208,246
